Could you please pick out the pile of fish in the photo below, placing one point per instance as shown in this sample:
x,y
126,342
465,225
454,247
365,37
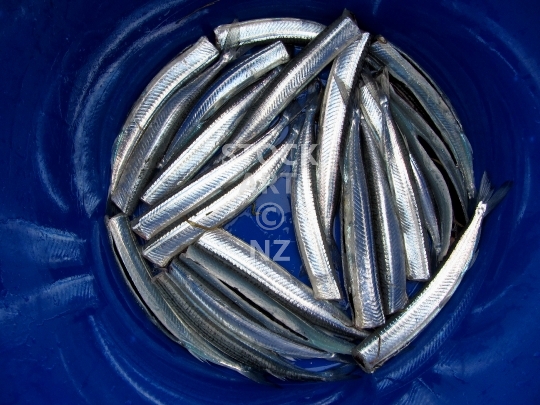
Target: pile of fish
x,y
373,142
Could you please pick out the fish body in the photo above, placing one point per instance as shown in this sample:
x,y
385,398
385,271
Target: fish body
x,y
230,344
405,198
312,244
389,244
296,75
412,122
163,85
212,135
359,261
276,281
426,205
265,30
155,301
209,185
254,300
162,250
245,329
343,77
227,85
435,106
405,326
148,151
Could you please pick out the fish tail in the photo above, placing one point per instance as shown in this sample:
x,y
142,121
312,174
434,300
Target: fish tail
x,y
489,196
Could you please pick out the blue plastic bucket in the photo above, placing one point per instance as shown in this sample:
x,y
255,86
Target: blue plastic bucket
x,y
70,332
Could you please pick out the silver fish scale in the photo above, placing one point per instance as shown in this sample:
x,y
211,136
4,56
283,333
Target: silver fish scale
x,y
296,75
401,330
170,78
360,265
208,140
423,130
224,340
162,250
245,329
152,295
405,199
434,105
311,241
426,203
370,105
155,139
276,281
205,187
345,68
389,243
266,30
217,272
225,87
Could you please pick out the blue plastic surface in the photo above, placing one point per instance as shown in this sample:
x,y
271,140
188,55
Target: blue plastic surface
x,y
70,332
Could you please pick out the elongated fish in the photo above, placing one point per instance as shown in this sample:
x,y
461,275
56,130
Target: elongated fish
x,y
170,78
230,344
276,281
149,150
426,205
230,83
314,250
405,326
156,303
212,135
370,104
404,196
390,248
162,250
434,105
342,79
433,176
359,262
254,301
296,75
265,30
212,183
249,331
413,122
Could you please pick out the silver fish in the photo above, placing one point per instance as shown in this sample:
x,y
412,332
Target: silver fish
x,y
404,327
342,78
162,250
434,105
227,280
434,178
230,83
390,249
276,281
207,141
162,86
426,204
155,303
370,104
210,184
226,341
265,30
314,249
245,329
412,120
401,185
149,150
359,262
296,75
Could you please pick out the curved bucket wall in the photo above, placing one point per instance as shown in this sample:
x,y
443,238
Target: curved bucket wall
x,y
70,332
